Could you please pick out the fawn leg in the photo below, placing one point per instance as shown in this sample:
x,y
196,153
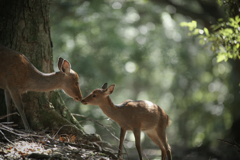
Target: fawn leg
x,y
154,137
137,135
122,135
163,138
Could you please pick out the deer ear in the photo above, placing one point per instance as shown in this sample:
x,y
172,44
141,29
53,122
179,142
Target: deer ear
x,y
60,61
104,86
110,89
66,66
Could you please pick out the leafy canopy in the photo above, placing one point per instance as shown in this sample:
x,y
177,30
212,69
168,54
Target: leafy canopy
x,y
224,38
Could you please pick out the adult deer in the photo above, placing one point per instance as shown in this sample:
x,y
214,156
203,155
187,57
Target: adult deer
x,y
18,75
136,116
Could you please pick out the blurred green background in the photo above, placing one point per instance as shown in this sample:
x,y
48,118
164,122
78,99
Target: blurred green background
x,y
141,47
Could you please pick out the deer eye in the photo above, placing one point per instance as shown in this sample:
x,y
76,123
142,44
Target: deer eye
x,y
94,95
76,83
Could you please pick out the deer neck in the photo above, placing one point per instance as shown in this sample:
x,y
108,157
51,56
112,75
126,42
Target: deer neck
x,y
44,82
109,108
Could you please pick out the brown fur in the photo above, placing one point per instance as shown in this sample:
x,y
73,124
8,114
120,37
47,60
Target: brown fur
x,y
136,116
18,75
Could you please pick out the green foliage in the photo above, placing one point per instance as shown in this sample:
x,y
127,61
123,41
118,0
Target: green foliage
x,y
224,38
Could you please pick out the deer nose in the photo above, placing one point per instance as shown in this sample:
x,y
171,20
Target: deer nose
x,y
84,102
78,99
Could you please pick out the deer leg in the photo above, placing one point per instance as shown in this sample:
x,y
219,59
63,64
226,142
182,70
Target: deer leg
x,y
8,104
163,138
18,103
137,135
122,135
154,137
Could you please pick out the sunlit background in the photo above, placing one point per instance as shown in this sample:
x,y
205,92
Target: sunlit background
x,y
141,47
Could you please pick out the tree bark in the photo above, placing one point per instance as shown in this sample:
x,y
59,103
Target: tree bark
x,y
25,28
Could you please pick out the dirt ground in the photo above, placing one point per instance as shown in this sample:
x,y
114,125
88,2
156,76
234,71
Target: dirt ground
x,y
15,144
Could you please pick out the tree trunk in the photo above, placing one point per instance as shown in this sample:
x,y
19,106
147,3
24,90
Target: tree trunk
x,y
25,28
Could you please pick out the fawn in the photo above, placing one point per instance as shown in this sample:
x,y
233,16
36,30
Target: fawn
x,y
18,75
136,116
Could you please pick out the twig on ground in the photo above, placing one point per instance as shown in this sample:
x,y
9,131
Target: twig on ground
x,y
5,137
78,115
233,144
145,155
16,132
61,128
5,116
94,121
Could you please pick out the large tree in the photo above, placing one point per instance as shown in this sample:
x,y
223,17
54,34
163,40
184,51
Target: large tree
x,y
25,28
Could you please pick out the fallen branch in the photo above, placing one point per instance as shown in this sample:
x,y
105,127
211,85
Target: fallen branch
x,y
61,128
94,121
17,132
5,116
78,115
233,144
5,137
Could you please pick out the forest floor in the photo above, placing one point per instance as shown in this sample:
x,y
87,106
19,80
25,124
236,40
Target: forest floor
x,y
16,144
